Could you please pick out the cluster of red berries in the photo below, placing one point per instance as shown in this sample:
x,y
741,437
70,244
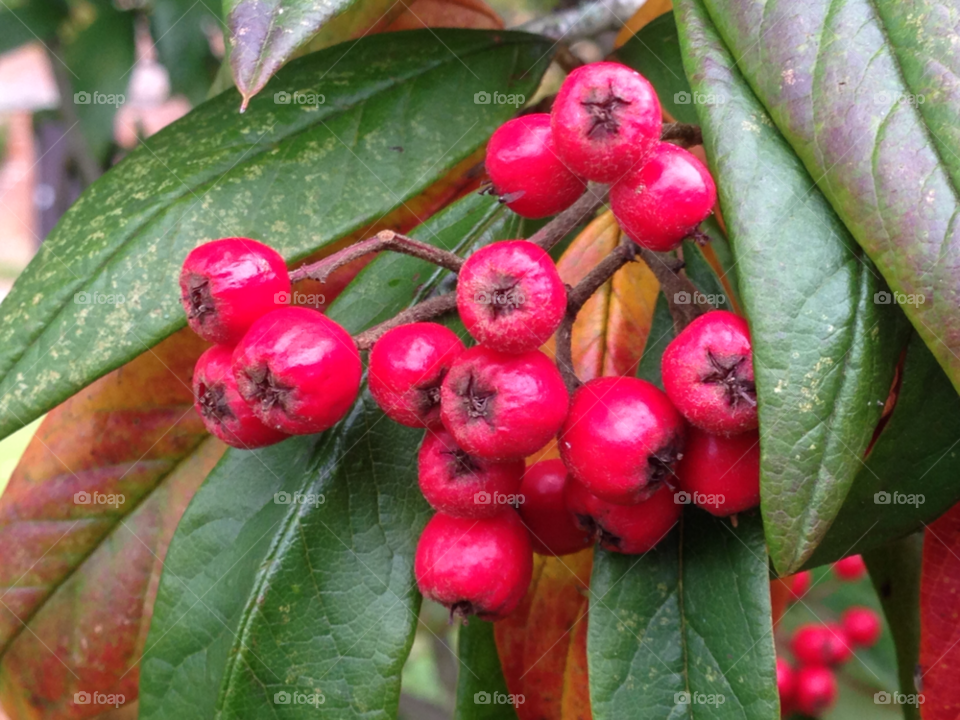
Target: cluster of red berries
x,y
275,370
810,687
604,126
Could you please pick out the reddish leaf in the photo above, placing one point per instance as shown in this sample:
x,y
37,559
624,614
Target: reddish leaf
x,y
474,14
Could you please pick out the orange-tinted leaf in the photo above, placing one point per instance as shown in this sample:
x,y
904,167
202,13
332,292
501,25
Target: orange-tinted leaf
x,y
939,622
474,14
779,598
542,645
649,11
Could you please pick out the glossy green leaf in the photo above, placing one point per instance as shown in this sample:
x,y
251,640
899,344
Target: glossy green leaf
x,y
910,477
24,21
399,111
685,630
481,687
317,598
865,93
824,352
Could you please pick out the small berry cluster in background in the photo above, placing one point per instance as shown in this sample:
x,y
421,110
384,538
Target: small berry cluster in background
x,y
809,687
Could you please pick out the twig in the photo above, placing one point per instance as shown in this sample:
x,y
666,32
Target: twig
x,y
383,240
682,295
421,312
682,134
555,230
586,21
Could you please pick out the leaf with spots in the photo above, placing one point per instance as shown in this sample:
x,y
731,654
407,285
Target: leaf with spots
x,y
298,177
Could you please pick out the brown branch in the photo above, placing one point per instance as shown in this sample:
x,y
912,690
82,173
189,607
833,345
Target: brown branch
x,y
555,230
421,312
682,295
682,134
383,240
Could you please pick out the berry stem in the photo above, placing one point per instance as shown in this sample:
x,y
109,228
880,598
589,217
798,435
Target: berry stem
x,y
421,312
675,286
682,134
555,230
383,240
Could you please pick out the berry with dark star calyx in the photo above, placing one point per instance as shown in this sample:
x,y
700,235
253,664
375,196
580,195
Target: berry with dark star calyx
x,y
621,439
664,201
606,121
225,285
473,566
500,406
224,413
544,511
298,370
721,473
462,485
526,171
707,371
407,366
626,529
510,296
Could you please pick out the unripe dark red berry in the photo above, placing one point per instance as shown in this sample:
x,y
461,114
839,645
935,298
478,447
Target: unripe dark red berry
x,y
800,584
816,690
606,121
786,686
225,285
298,370
814,644
475,567
621,438
662,202
862,625
707,371
721,474
544,511
526,170
510,296
407,366
502,407
223,411
850,569
627,529
459,484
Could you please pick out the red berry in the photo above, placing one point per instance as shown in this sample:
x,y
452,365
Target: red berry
x,y
627,529
850,569
475,567
662,202
708,373
223,411
816,690
225,285
459,484
621,438
786,686
800,584
502,407
510,296
820,645
838,643
298,370
862,626
721,474
544,511
606,121
526,171
407,366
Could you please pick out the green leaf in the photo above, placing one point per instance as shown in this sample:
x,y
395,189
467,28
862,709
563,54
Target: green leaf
x,y
481,687
824,353
259,597
691,616
703,276
909,478
865,93
399,111
24,21
661,333
180,28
